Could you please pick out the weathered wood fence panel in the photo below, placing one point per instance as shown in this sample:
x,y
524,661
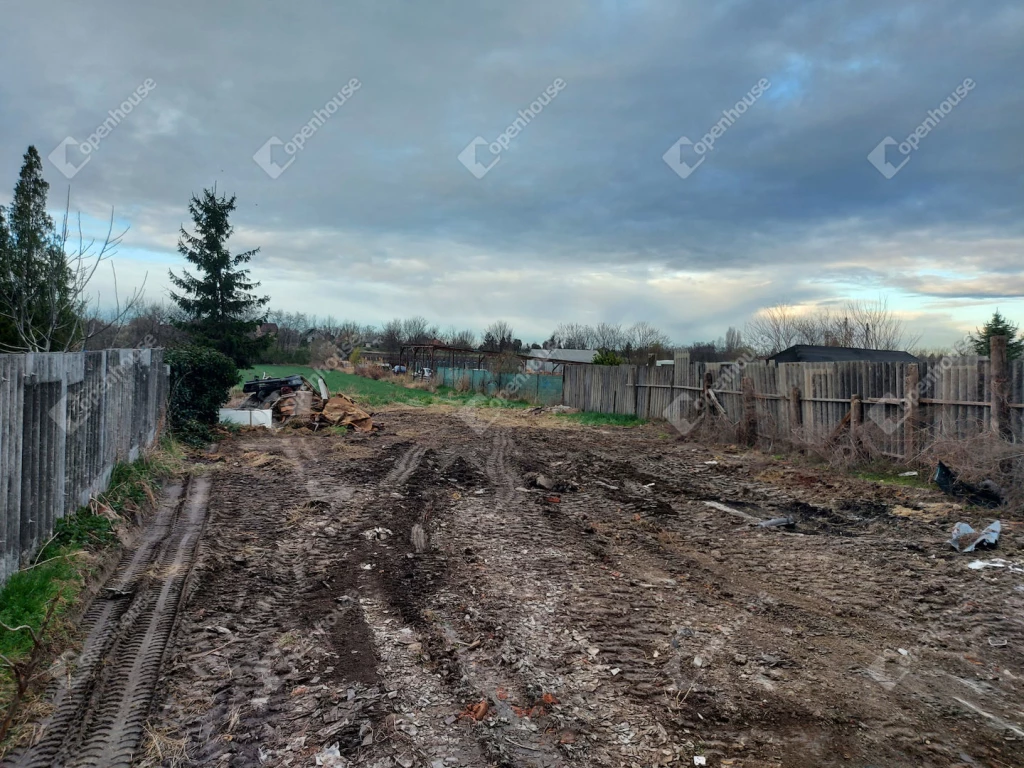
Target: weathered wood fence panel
x,y
902,407
65,420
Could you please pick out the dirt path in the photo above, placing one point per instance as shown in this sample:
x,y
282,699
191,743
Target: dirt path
x,y
616,619
101,706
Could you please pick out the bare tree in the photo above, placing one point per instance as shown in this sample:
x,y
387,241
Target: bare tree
x,y
418,330
53,315
464,339
875,326
642,340
392,335
573,336
733,344
862,324
774,329
609,336
498,336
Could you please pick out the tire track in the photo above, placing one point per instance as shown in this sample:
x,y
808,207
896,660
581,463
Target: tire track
x,y
405,466
498,469
100,711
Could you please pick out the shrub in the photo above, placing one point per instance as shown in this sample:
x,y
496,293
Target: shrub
x,y
354,358
201,379
372,371
607,357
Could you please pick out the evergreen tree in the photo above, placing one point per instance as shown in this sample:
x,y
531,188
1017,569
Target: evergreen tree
x,y
219,307
38,309
999,326
8,333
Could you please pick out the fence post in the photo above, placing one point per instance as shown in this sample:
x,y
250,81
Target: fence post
x,y
911,422
856,420
704,398
795,411
1000,373
748,427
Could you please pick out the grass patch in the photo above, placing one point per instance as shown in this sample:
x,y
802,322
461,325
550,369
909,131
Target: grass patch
x,y
591,419
60,569
891,476
378,393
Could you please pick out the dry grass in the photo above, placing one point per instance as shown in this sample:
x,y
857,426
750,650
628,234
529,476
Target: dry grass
x,y
371,371
982,456
257,458
160,748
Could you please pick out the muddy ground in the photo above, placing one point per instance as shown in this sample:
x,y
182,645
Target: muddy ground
x,y
615,619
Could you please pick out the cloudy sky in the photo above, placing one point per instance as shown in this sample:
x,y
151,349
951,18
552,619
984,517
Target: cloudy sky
x,y
592,212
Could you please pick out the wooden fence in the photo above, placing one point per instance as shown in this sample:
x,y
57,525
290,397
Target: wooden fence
x,y
65,420
900,406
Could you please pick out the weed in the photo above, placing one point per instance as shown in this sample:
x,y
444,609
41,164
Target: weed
x,y
58,574
591,419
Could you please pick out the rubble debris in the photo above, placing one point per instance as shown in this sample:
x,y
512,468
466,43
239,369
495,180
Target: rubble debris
x,y
280,400
543,481
551,409
984,494
246,418
537,480
342,411
735,512
331,757
996,562
965,538
476,711
377,534
778,522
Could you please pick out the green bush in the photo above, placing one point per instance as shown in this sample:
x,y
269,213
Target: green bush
x,y
607,357
201,380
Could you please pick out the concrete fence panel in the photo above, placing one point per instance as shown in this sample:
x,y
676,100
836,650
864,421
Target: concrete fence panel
x,y
65,420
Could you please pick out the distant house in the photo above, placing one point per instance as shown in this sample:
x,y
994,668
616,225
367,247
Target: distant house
x,y
809,353
267,329
552,359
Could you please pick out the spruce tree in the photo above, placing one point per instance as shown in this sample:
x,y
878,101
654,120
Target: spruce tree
x,y
37,305
220,308
999,326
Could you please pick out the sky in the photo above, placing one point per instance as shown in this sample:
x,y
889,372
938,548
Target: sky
x,y
412,190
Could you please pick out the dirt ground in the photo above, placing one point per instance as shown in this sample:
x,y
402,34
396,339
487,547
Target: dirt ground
x,y
616,619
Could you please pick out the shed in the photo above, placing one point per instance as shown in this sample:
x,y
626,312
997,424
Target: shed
x,y
810,353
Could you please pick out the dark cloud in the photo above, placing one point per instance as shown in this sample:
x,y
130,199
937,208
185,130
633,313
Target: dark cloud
x,y
581,216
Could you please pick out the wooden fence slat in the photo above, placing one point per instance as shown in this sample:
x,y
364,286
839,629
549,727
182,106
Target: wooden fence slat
x,y
952,398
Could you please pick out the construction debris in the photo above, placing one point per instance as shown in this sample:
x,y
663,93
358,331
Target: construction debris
x,y
965,538
296,401
341,411
984,494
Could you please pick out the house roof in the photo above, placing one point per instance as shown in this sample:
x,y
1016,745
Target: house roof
x,y
809,353
563,355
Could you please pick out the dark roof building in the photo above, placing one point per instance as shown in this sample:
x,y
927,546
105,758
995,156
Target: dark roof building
x,y
809,353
